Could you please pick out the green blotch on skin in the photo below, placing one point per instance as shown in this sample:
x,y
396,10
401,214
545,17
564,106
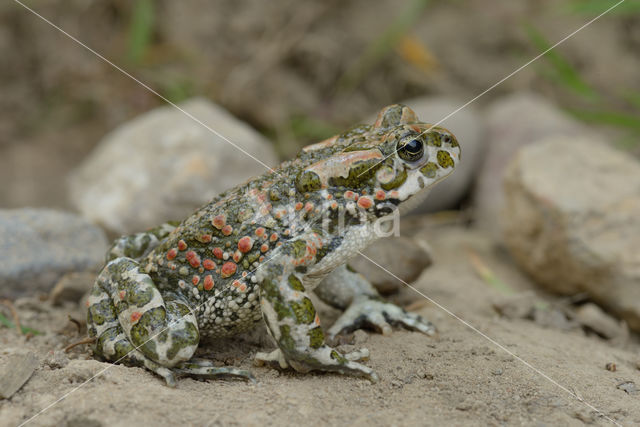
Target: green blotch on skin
x,y
122,348
151,320
121,306
102,311
176,308
337,356
316,338
299,248
91,330
107,336
282,310
429,170
308,181
396,182
304,311
272,295
251,258
270,289
295,283
359,173
183,338
356,147
433,139
162,337
140,296
274,195
286,341
149,350
444,159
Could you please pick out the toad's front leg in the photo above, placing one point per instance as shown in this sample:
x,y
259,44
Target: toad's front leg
x,y
292,319
364,307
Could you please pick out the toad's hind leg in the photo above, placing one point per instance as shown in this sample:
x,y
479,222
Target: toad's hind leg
x,y
134,324
112,344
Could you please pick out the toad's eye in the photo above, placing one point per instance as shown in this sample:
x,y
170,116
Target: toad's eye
x,y
411,150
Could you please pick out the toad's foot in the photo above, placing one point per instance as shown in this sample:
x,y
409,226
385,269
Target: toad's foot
x,y
379,315
346,364
202,368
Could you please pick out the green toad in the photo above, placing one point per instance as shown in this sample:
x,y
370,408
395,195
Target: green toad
x,y
255,253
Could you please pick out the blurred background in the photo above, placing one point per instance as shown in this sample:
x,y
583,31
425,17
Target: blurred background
x,y
296,71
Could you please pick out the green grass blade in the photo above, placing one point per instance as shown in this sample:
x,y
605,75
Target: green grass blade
x,y
563,73
140,30
25,329
633,98
611,118
596,7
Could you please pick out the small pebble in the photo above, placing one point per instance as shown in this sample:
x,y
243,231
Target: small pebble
x,y
360,337
397,384
629,387
409,379
610,367
57,359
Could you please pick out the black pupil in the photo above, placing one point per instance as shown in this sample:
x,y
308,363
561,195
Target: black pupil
x,y
413,147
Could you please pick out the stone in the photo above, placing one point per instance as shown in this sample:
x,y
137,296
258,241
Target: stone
x,y
628,387
572,220
41,245
72,287
513,122
594,318
468,128
401,255
164,164
15,372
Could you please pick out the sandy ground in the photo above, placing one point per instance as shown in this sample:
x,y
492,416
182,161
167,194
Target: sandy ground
x,y
458,378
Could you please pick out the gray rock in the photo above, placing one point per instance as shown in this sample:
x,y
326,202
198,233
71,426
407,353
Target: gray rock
x,y
402,256
15,372
512,123
467,126
163,165
38,246
572,220
594,318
